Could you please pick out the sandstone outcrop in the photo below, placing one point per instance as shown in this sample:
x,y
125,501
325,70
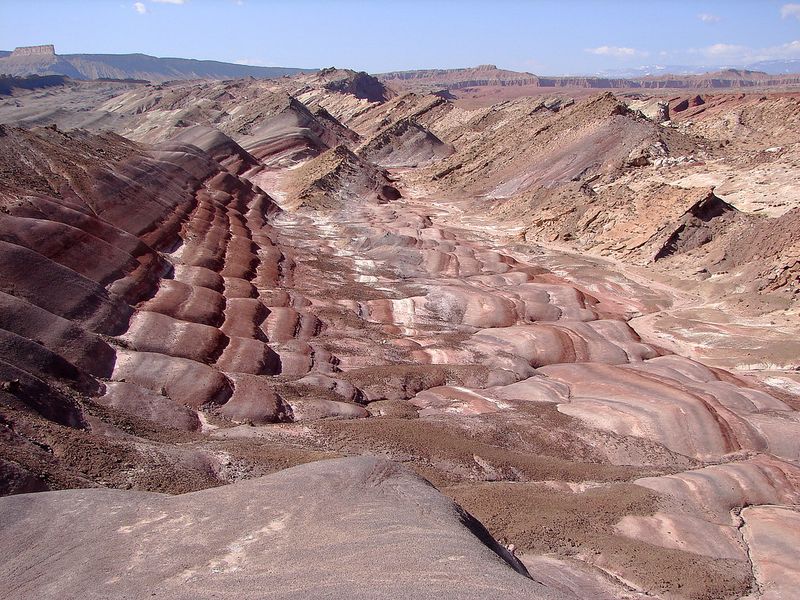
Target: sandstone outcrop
x,y
404,144
339,177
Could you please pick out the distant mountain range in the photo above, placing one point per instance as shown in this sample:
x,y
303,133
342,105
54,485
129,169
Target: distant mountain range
x,y
771,67
777,67
42,60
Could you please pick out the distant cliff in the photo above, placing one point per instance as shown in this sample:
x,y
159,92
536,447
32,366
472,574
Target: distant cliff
x,y
42,60
46,50
462,78
489,75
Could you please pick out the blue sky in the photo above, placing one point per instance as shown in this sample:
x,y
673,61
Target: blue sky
x,y
545,37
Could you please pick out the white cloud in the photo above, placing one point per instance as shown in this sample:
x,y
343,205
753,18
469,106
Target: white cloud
x,y
736,54
725,50
788,50
709,18
616,51
790,10
140,8
169,1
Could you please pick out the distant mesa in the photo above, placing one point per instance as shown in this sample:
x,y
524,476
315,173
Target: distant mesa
x,y
45,50
43,60
489,76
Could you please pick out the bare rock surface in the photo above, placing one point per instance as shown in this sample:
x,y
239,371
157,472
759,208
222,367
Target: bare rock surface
x,y
773,549
405,144
356,528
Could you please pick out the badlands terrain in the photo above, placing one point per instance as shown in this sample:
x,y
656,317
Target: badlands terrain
x,y
326,337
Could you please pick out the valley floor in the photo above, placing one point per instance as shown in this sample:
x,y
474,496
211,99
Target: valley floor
x,y
611,464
